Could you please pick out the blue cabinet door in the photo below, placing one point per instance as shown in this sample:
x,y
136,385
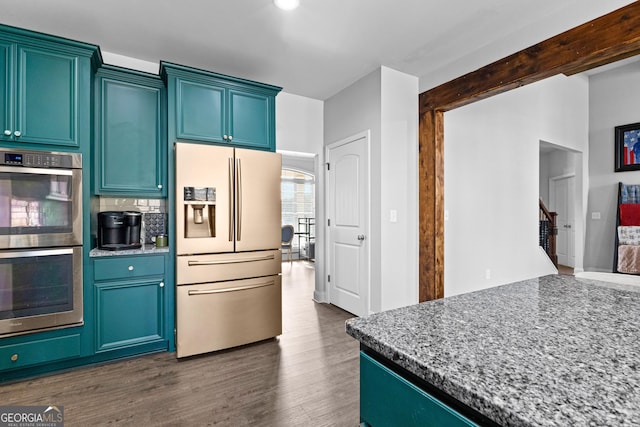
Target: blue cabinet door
x,y
6,91
129,314
251,120
200,111
46,101
130,135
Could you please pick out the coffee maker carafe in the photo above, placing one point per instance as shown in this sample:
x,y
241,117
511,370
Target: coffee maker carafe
x,y
119,230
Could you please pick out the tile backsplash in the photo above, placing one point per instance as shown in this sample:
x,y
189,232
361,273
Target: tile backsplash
x,y
140,205
154,213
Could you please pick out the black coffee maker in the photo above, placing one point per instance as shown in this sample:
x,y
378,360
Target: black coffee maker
x,y
119,230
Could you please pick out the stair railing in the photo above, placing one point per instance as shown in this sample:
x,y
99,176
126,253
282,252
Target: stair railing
x,y
548,232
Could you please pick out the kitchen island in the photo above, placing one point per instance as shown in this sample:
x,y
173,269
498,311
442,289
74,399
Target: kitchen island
x,y
551,351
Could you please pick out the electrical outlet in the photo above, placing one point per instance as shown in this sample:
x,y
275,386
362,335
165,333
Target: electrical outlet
x,y
393,215
487,273
595,215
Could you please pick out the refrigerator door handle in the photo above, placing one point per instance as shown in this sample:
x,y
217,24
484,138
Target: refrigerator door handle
x,y
230,261
239,288
231,222
239,198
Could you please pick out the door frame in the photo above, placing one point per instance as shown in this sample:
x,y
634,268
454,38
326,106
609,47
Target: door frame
x,y
327,247
552,192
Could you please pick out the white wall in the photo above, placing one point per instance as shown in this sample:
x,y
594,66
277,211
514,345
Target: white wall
x,y
353,110
613,101
399,189
128,62
385,102
299,124
492,180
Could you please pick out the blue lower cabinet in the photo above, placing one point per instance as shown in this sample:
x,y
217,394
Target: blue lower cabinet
x,y
129,300
387,399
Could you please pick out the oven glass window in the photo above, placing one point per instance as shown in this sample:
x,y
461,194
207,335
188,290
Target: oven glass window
x,y
36,285
35,203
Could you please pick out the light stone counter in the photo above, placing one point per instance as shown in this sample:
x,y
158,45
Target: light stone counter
x,y
144,250
552,351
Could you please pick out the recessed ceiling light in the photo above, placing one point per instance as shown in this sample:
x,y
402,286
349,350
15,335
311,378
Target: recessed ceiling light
x,y
287,4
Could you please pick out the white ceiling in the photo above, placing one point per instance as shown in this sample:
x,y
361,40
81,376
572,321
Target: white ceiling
x,y
318,49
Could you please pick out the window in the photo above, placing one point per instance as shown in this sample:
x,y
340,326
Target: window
x,y
298,198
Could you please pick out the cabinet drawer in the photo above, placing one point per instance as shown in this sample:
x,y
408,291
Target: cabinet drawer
x,y
387,399
215,316
219,267
124,267
41,351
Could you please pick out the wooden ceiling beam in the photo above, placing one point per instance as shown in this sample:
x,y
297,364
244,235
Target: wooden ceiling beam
x,y
600,41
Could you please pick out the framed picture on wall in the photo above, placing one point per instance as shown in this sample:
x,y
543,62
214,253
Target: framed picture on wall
x,y
627,142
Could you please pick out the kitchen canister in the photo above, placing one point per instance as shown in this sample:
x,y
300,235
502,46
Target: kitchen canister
x,y
162,240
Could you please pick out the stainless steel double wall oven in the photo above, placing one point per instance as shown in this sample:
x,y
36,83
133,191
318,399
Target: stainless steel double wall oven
x,y
40,240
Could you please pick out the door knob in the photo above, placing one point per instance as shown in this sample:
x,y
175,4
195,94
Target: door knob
x,y
361,237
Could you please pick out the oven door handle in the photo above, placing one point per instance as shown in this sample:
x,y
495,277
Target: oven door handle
x,y
230,261
239,288
40,171
35,253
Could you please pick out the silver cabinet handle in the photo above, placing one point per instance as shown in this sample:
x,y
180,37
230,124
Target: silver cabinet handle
x,y
161,284
230,261
231,175
239,199
230,138
159,186
130,268
17,133
7,132
225,137
361,237
221,291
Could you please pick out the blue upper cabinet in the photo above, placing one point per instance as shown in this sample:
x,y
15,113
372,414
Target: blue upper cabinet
x,y
130,133
45,89
200,111
210,107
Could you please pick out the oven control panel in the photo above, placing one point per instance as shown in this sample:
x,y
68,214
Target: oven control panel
x,y
36,159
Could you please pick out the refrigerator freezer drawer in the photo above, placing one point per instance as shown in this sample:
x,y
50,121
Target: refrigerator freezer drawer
x,y
215,316
231,266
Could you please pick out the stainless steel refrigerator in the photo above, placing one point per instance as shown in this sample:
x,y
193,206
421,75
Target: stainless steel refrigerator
x,y
228,259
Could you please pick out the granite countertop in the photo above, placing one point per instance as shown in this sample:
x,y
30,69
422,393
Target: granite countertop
x,y
552,351
144,250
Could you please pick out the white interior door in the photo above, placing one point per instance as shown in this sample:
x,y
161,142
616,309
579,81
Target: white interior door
x,y
348,215
562,194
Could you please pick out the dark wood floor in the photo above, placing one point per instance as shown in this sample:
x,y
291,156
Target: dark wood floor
x,y
308,376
